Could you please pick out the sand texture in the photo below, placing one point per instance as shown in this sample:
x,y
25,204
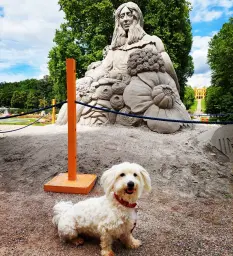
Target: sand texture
x,y
188,212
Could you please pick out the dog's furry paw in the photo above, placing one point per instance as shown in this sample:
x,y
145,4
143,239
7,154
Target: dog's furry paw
x,y
77,241
134,244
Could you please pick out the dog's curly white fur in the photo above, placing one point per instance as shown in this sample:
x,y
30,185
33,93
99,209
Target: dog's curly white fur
x,y
106,217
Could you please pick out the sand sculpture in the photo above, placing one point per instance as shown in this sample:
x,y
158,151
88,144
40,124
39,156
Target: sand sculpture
x,y
136,76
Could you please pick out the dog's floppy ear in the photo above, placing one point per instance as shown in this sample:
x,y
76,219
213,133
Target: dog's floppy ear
x,y
146,178
107,180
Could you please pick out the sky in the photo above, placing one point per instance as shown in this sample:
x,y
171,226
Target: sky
x,y
27,29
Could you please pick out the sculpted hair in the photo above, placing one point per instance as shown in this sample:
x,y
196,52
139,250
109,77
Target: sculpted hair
x,y
135,32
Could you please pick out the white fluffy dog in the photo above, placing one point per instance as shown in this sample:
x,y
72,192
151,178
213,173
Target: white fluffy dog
x,y
112,216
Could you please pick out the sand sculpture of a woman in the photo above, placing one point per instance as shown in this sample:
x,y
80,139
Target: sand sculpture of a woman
x,y
136,76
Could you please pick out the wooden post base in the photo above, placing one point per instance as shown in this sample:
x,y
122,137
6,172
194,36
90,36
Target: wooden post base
x,y
82,185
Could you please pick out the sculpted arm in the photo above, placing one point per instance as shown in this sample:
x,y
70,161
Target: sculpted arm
x,y
102,69
93,75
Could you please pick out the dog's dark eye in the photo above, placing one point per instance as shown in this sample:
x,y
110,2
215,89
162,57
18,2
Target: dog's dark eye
x,y
122,175
135,175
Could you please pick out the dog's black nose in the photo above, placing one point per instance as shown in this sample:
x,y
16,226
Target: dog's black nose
x,y
130,184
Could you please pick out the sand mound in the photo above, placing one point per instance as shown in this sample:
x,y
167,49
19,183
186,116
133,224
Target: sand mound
x,y
183,162
191,197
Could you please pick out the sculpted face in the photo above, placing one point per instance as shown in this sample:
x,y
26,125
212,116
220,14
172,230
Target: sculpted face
x,y
126,18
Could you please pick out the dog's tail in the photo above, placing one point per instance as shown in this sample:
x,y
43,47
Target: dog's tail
x,y
59,209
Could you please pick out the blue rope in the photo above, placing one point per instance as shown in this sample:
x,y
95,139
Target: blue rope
x,y
34,111
22,127
152,118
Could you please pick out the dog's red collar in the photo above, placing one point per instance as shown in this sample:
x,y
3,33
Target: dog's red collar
x,y
124,203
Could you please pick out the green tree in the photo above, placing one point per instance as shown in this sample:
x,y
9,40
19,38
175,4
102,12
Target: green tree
x,y
42,103
26,93
189,97
5,98
213,96
44,89
220,55
89,27
66,48
32,100
18,99
6,92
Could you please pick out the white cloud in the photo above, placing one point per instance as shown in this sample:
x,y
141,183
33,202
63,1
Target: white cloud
x,y
226,3
200,80
203,9
200,61
27,31
201,42
43,71
11,77
207,16
213,33
199,52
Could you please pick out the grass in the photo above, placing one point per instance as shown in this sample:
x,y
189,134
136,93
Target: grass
x,y
23,121
193,108
203,105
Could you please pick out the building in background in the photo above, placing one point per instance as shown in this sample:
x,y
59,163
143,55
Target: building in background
x,y
200,93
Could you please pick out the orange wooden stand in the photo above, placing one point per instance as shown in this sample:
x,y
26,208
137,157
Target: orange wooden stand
x,y
71,182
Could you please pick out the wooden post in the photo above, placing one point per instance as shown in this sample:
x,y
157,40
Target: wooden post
x,y
53,111
71,182
71,92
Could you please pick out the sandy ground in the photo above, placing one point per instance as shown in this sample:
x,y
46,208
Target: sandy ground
x,y
188,212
